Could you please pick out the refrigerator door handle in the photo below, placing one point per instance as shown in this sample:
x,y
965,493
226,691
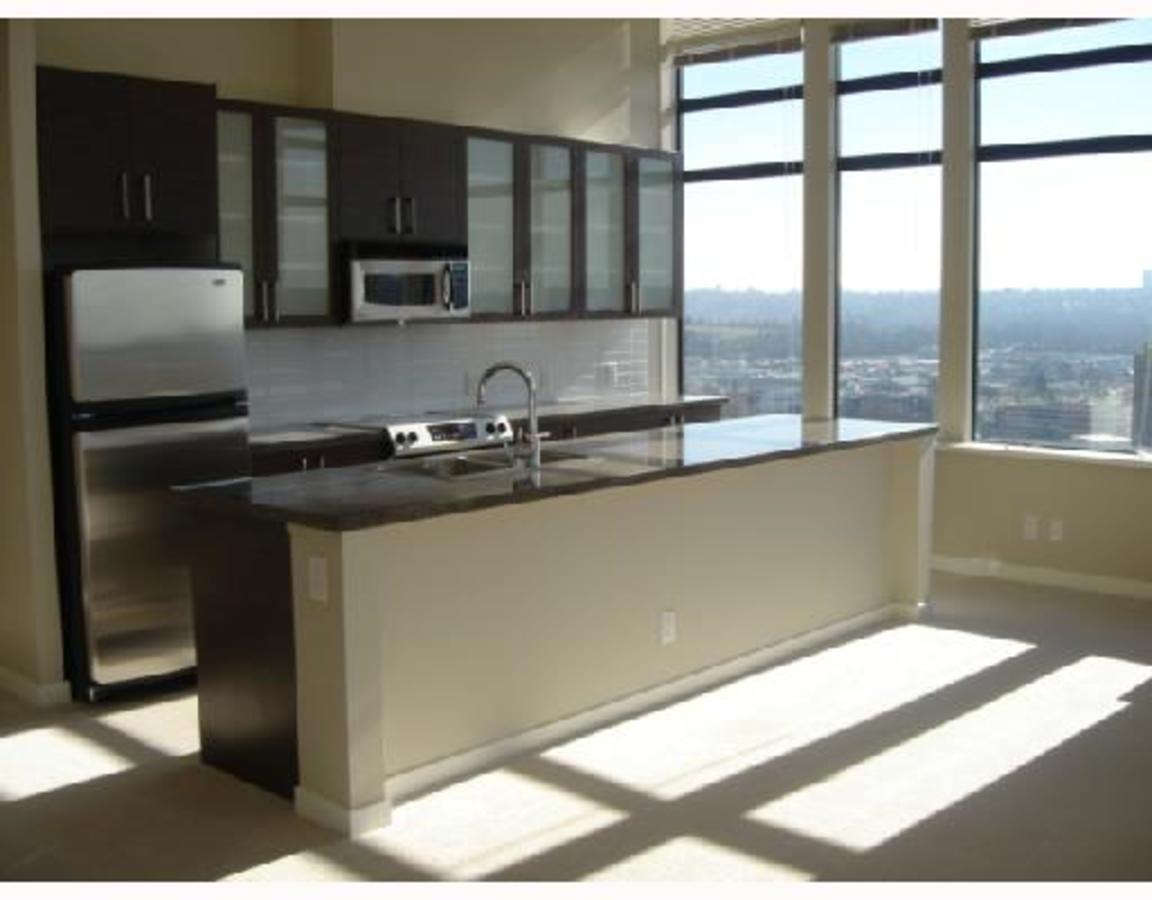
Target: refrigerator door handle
x,y
125,200
147,198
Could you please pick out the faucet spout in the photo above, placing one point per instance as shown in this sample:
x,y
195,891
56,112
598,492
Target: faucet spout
x,y
533,433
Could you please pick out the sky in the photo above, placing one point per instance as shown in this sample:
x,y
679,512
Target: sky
x,y
1053,223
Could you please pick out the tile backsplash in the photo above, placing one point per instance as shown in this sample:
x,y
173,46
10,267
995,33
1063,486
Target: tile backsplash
x,y
305,375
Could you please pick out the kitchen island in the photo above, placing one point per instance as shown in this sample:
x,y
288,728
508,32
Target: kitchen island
x,y
365,632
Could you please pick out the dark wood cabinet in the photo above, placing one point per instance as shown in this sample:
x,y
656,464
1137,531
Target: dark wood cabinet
x,y
276,459
523,239
572,230
121,155
274,166
400,183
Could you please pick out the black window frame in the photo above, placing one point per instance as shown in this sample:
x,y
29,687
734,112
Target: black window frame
x,y
1117,54
908,79
733,100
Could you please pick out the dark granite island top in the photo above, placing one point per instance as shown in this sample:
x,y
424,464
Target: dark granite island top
x,y
366,496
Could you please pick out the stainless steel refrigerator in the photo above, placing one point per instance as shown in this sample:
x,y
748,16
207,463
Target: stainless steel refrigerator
x,y
147,372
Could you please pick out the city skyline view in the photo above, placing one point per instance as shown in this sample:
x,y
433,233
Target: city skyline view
x,y
1064,260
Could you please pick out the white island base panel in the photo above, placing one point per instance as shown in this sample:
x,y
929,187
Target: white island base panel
x,y
431,649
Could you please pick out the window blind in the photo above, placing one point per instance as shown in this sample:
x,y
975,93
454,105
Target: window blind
x,y
990,28
716,40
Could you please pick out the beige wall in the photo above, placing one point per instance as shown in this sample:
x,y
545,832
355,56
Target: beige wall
x,y
582,78
251,59
30,656
1106,510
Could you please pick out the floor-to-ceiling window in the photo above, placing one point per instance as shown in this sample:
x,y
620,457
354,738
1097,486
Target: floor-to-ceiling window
x,y
889,125
742,137
1064,335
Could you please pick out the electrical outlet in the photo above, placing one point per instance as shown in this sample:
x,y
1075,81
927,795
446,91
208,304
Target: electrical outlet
x,y
318,579
668,627
1056,530
1031,527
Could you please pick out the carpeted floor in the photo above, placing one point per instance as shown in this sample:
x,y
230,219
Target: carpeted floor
x,y
1006,736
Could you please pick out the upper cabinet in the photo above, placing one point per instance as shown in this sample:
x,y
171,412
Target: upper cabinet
x,y
400,183
605,272
549,289
572,230
122,155
493,249
655,272
135,169
274,213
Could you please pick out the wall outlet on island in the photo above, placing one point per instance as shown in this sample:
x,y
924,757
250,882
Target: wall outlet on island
x,y
318,579
1056,530
1031,527
667,627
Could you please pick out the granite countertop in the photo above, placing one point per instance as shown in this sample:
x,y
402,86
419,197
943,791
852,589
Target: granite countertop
x,y
319,434
347,499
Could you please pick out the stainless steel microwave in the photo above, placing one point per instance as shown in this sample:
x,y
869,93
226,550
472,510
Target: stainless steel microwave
x,y
399,289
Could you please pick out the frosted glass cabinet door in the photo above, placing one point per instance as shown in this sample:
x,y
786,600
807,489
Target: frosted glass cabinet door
x,y
234,187
302,217
604,231
491,183
657,244
550,288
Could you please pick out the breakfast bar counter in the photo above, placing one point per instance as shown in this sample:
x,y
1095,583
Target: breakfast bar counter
x,y
364,633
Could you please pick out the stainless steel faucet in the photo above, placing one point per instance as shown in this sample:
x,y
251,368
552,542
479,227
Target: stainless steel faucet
x,y
533,433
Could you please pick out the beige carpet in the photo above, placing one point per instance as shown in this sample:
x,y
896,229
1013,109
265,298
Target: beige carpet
x,y
1007,736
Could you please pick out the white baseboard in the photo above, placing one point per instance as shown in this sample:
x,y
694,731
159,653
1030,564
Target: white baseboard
x,y
55,693
350,822
416,781
995,568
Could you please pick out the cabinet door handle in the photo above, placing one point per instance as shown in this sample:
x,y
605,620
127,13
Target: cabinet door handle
x,y
393,215
265,312
527,298
634,298
410,215
521,299
125,200
147,198
303,463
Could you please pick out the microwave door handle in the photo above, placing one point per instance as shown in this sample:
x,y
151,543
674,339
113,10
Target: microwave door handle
x,y
393,215
446,287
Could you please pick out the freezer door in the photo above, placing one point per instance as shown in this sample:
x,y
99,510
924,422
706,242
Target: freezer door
x,y
136,584
147,333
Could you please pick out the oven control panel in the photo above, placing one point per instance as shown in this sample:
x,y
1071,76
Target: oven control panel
x,y
416,438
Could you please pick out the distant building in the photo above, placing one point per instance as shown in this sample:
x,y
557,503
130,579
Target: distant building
x,y
1051,423
892,407
1142,395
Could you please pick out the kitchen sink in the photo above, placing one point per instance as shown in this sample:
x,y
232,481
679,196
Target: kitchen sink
x,y
462,466
486,462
